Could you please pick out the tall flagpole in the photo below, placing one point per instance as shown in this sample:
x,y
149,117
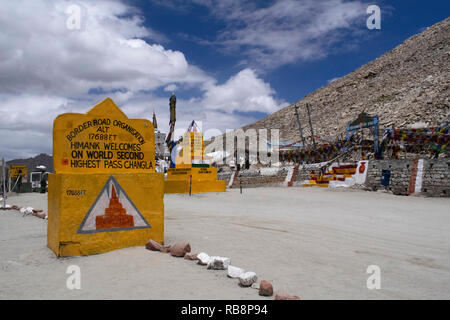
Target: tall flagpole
x,y
4,182
169,139
310,125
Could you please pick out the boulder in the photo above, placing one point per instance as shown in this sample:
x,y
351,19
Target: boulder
x,y
234,272
248,278
203,258
179,249
265,288
218,263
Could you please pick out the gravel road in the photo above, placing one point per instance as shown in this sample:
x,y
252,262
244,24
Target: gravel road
x,y
314,243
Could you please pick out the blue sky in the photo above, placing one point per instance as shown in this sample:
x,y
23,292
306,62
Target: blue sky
x,y
230,62
188,26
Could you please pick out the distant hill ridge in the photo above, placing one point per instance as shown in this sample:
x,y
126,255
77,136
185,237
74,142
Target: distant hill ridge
x,y
42,159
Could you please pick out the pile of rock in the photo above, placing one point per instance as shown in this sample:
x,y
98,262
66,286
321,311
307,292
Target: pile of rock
x,y
26,211
246,278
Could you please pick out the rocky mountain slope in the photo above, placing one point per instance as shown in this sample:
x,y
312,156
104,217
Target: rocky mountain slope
x,y
405,86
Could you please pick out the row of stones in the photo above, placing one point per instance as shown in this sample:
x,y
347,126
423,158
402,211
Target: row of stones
x,y
25,210
246,279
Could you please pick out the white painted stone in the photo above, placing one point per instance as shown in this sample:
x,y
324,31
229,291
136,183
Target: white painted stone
x,y
419,177
27,210
230,183
248,278
218,263
289,175
203,258
234,272
360,178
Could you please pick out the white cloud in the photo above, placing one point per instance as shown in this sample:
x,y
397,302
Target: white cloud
x,y
243,92
286,31
40,54
47,69
171,88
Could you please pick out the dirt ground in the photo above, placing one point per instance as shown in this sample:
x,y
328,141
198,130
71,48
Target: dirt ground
x,y
314,243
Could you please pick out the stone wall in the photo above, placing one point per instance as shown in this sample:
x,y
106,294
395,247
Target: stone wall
x,y
400,175
304,172
435,178
264,177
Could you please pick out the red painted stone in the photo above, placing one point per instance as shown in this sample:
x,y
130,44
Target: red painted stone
x,y
165,249
265,288
153,245
180,249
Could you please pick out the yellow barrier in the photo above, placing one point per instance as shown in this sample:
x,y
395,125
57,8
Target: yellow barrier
x,y
77,201
105,193
203,180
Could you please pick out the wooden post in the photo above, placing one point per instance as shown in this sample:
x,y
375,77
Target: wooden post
x,y
190,185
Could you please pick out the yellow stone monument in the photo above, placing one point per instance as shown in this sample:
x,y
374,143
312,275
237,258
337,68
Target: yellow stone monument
x,y
193,171
105,193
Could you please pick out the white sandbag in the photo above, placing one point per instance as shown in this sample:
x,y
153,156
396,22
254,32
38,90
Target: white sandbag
x,y
27,210
248,278
203,258
234,272
218,263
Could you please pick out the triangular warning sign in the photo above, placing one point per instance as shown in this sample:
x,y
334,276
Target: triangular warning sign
x,y
112,211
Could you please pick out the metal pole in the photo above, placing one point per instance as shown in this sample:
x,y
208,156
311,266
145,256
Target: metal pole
x,y
310,125
240,185
300,127
4,182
